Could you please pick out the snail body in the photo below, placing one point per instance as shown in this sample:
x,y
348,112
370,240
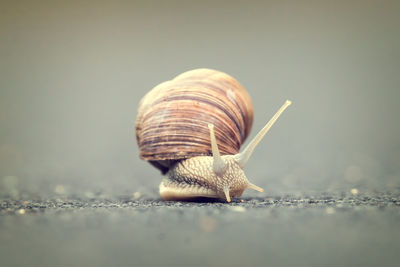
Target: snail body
x,y
191,128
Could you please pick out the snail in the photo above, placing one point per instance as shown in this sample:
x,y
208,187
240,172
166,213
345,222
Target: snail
x,y
191,129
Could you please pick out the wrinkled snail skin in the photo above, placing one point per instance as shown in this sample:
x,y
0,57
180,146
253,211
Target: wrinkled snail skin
x,y
195,177
192,127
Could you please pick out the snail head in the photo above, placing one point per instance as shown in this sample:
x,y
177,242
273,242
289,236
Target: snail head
x,y
217,176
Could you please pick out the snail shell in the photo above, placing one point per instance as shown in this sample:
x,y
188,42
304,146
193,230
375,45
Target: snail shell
x,y
192,128
173,117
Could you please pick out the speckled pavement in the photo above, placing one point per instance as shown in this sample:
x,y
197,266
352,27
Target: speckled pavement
x,y
329,201
322,230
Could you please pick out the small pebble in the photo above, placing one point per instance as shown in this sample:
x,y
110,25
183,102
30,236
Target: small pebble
x,y
21,211
238,209
59,189
354,191
137,195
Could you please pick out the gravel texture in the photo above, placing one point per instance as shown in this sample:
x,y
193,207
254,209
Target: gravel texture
x,y
340,201
309,230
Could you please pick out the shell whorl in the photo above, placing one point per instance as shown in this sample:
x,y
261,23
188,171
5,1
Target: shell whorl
x,y
173,117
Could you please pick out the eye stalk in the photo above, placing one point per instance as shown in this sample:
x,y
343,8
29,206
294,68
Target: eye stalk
x,y
219,165
244,156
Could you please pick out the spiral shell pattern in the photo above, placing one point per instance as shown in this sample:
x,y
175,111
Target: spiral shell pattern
x,y
173,117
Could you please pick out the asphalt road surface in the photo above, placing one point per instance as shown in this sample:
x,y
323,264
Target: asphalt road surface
x,y
324,230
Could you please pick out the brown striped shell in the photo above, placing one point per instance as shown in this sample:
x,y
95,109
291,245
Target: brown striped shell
x,y
173,118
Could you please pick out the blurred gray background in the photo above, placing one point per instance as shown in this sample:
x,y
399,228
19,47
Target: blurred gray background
x,y
72,74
